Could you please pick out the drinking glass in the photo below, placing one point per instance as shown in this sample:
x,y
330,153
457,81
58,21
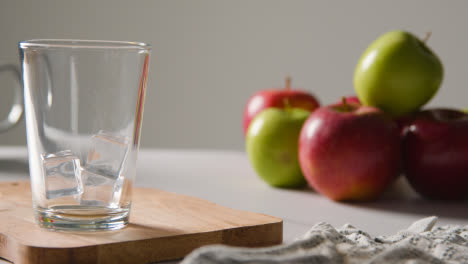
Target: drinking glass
x,y
83,108
16,107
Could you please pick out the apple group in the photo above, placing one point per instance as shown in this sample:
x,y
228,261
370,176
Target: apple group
x,y
353,149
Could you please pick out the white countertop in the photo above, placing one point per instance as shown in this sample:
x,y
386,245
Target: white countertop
x,y
226,178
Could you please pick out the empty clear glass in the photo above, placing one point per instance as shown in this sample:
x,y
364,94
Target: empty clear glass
x,y
83,106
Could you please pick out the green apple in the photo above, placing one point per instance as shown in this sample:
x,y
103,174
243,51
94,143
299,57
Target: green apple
x,y
272,146
397,73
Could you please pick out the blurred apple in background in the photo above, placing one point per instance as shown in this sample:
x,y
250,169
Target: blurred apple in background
x,y
349,152
404,123
397,73
435,151
276,98
271,145
352,99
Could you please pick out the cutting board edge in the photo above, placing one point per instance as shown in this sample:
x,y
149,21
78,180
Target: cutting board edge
x,y
98,253
279,221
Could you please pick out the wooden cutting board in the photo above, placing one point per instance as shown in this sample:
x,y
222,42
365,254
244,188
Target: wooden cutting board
x,y
163,226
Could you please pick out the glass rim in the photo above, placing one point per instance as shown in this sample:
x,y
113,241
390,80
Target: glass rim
x,y
81,43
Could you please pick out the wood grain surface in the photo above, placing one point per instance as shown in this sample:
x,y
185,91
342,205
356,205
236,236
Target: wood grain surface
x,y
163,226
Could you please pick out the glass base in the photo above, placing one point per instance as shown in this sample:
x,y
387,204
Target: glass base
x,y
82,218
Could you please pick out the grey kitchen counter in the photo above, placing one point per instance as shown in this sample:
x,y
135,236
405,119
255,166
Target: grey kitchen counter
x,y
226,178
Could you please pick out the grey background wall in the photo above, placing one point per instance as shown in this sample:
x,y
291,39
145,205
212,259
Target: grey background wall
x,y
209,56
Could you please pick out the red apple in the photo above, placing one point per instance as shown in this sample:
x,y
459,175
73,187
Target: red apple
x,y
435,152
279,99
349,152
352,99
403,123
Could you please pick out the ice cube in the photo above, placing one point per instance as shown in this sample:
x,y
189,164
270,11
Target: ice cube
x,y
61,174
107,154
101,190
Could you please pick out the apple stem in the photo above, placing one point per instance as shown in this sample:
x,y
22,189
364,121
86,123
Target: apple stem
x,y
426,38
345,104
287,86
288,83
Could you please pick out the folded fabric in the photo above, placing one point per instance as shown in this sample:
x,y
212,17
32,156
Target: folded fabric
x,y
420,243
